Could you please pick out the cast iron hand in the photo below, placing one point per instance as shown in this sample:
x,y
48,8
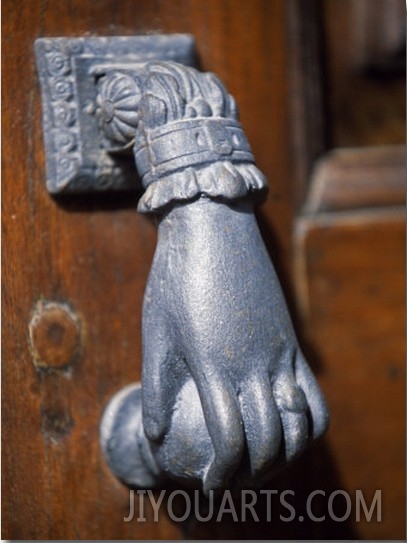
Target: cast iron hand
x,y
226,391
214,318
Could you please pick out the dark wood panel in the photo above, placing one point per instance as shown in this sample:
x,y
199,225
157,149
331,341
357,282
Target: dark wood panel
x,y
365,71
351,288
356,178
94,254
309,126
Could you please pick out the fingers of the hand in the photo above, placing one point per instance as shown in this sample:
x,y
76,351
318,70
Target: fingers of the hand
x,y
225,426
295,429
288,395
262,423
315,398
293,407
159,388
158,401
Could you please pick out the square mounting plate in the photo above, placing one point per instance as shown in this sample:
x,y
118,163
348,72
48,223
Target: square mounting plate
x,y
75,158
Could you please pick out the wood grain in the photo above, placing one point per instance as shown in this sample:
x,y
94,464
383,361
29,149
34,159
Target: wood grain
x,y
94,253
365,177
351,289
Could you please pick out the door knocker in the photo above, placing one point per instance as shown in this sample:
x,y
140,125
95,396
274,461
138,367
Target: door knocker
x,y
227,397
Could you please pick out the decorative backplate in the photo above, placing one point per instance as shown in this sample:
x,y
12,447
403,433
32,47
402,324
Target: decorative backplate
x,y
76,159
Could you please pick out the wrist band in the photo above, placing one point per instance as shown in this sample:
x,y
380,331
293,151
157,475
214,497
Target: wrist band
x,y
192,142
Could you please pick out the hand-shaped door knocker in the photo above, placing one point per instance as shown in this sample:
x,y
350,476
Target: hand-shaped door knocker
x,y
227,396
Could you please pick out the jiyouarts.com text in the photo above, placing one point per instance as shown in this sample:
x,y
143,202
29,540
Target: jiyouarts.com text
x,y
180,505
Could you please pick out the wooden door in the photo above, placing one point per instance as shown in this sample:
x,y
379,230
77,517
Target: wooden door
x,y
74,269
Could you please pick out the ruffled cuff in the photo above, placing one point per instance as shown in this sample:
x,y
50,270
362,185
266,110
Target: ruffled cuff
x,y
221,180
